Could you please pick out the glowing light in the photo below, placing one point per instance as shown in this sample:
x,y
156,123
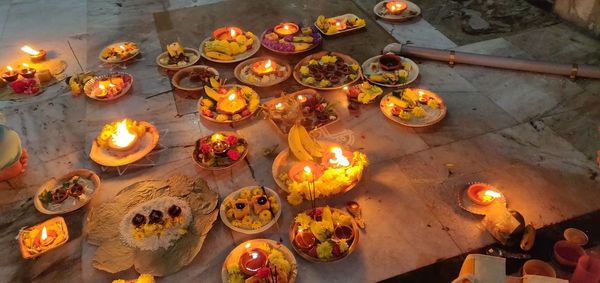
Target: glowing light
x,y
247,245
231,97
268,64
340,159
286,27
122,47
101,87
489,195
232,33
279,106
254,255
301,98
44,234
391,105
30,50
307,169
421,92
346,89
25,65
9,68
122,136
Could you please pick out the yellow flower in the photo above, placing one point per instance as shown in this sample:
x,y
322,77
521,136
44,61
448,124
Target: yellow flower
x,y
230,215
256,224
332,59
324,83
246,221
404,115
418,111
265,216
309,80
313,62
343,246
236,223
324,250
304,70
222,117
257,191
433,103
294,198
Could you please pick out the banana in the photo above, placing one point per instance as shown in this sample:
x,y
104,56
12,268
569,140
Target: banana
x,y
309,144
296,147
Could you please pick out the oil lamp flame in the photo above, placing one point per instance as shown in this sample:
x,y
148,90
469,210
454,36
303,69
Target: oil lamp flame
x,y
25,65
232,33
30,50
101,86
122,47
286,27
421,92
254,255
122,137
279,106
44,234
268,64
340,159
248,245
231,97
9,68
307,169
492,194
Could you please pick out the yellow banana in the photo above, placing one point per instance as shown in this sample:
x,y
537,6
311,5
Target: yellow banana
x,y
296,147
311,146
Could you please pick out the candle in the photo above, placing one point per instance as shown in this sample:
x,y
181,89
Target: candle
x,y
27,72
284,29
396,7
10,75
36,56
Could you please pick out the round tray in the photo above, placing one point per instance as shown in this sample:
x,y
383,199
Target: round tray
x,y
236,58
284,158
148,143
465,203
255,242
88,87
50,184
412,75
404,16
122,60
431,117
351,248
222,212
181,74
219,168
237,72
228,121
176,67
292,52
305,60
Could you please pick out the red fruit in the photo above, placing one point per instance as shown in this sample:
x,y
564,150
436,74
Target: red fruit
x,y
336,250
353,91
320,108
396,111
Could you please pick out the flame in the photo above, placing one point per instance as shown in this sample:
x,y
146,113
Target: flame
x,y
9,68
345,88
340,159
391,105
25,65
490,195
44,234
101,87
232,32
122,47
279,106
231,97
122,137
254,255
30,50
301,98
307,169
268,64
421,92
247,245
338,24
286,27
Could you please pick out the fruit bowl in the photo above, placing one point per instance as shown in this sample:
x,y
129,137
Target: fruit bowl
x,y
324,234
251,210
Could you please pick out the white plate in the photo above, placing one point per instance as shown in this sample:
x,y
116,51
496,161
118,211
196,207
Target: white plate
x,y
432,116
236,58
412,74
52,183
177,67
222,212
135,54
237,72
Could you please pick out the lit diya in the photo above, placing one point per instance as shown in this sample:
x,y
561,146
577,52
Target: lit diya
x,y
108,87
262,71
220,150
260,260
36,56
229,44
396,7
284,29
480,198
228,103
124,142
27,71
43,237
227,33
10,75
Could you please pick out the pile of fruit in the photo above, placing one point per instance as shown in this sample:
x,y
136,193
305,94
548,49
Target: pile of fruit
x,y
323,234
228,103
303,40
225,49
364,93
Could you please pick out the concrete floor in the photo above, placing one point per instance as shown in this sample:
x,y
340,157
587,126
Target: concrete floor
x,y
535,136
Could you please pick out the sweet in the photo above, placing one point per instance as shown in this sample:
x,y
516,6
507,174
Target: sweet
x,y
251,208
327,70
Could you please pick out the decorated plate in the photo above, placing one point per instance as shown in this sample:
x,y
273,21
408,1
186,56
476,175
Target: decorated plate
x,y
227,141
271,40
234,58
403,112
412,11
108,87
340,24
192,54
146,144
119,52
372,69
194,78
236,218
235,110
77,189
313,70
253,71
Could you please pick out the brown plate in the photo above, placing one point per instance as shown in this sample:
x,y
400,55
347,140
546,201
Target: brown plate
x,y
181,79
432,116
237,72
147,143
215,168
349,60
52,183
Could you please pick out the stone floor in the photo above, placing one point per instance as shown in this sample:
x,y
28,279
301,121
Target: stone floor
x,y
535,136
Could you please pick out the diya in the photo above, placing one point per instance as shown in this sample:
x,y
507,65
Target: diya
x,y
27,72
396,7
260,260
284,29
478,198
43,237
10,75
35,56
219,150
262,71
482,194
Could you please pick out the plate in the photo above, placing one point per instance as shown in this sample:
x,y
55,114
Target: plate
x,y
89,86
229,120
233,195
134,53
340,18
347,59
241,67
284,129
236,58
214,168
351,248
432,116
235,254
412,11
316,35
147,143
465,203
52,183
181,80
177,67
367,70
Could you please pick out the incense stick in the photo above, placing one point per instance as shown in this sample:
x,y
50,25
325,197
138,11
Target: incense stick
x,y
74,55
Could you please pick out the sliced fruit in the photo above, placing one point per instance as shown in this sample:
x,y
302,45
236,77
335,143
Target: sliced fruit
x,y
301,46
213,94
311,146
219,56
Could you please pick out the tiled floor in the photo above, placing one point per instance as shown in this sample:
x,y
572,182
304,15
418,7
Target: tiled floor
x,y
535,136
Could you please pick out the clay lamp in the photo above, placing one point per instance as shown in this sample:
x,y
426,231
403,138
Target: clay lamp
x,y
284,29
252,260
219,143
227,33
482,194
10,75
396,7
35,56
304,240
299,173
343,233
390,62
264,68
423,96
27,72
43,237
122,139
